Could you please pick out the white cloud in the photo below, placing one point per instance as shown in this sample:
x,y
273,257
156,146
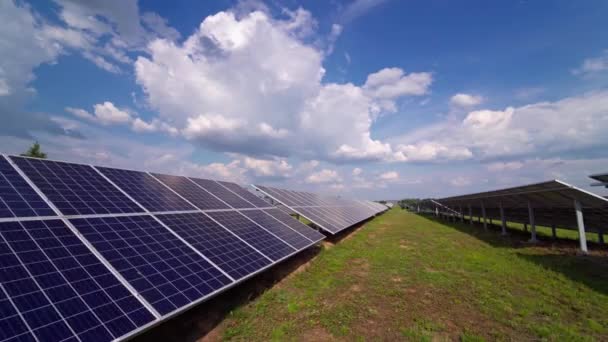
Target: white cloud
x,y
390,83
357,171
104,113
593,66
504,166
432,151
389,176
324,176
466,100
268,168
248,84
358,8
570,125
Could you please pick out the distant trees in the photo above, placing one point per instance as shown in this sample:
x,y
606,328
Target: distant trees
x,y
34,152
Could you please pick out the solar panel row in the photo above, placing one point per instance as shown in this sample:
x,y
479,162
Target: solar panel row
x,y
95,254
332,214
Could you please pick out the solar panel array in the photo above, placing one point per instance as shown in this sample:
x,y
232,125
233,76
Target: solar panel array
x,y
331,214
92,253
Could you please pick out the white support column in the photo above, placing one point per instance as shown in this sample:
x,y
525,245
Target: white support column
x,y
581,226
532,223
503,219
436,211
470,215
483,213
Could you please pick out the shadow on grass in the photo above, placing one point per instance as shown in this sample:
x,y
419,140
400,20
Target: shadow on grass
x,y
515,238
590,270
560,255
199,321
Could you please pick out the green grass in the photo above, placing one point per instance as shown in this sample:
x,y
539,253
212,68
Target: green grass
x,y
408,277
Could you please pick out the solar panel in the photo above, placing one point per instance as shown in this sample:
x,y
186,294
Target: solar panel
x,y
296,225
163,269
193,193
251,198
75,189
146,190
17,198
254,235
221,246
59,288
282,231
221,192
12,326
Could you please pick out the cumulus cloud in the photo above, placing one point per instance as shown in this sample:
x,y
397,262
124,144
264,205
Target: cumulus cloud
x,y
107,113
357,171
465,100
104,113
389,176
569,125
249,84
324,176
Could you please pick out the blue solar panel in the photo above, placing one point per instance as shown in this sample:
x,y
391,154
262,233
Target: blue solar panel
x,y
75,189
259,238
17,198
192,192
12,326
163,269
226,250
285,233
221,192
60,289
146,190
295,224
277,196
251,198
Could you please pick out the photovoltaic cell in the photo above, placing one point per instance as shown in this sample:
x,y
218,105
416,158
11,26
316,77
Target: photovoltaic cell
x,y
251,198
17,198
60,289
12,326
146,190
285,233
163,269
226,250
193,193
75,189
296,225
226,195
259,238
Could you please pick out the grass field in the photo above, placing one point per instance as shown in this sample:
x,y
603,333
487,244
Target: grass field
x,y
409,277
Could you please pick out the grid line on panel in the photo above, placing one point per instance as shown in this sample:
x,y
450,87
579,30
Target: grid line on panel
x,y
17,197
62,290
164,270
226,250
296,225
12,325
245,194
196,195
256,236
75,189
222,193
282,231
146,190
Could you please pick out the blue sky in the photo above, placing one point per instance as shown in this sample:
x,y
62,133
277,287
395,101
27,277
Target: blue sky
x,y
366,98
